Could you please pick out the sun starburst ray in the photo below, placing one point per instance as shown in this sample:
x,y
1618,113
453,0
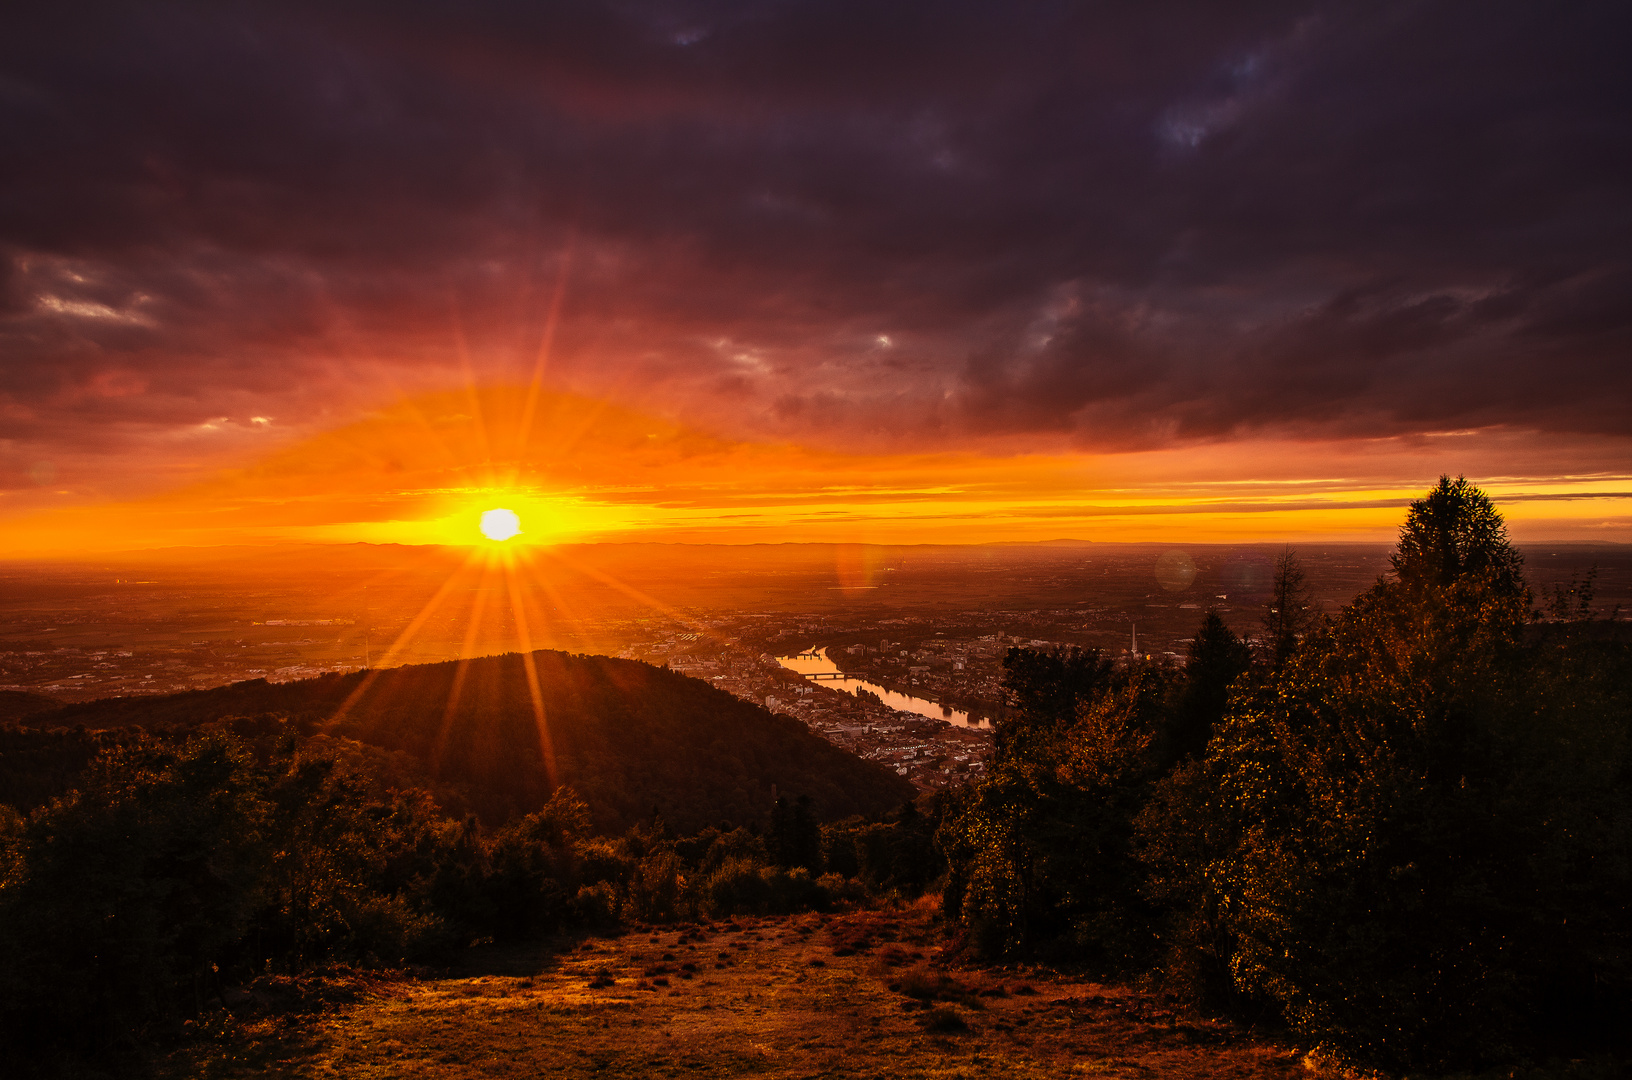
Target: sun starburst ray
x,y
546,745
402,640
467,651
535,386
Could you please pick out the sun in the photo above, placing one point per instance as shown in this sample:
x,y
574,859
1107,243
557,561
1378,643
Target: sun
x,y
500,524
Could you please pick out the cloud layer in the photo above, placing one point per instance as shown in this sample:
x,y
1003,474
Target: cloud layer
x,y
1114,227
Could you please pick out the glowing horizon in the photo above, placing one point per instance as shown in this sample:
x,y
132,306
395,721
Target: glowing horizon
x,y
577,470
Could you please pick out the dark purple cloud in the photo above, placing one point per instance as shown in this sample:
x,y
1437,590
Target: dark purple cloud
x,y
1127,224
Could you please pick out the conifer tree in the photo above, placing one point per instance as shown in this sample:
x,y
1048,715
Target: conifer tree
x,y
1455,531
1217,659
1288,616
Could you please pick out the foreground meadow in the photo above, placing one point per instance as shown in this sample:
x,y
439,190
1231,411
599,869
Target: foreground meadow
x,y
863,994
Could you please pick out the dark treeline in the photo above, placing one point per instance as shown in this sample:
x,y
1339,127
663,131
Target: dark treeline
x,y
16,704
1402,829
184,863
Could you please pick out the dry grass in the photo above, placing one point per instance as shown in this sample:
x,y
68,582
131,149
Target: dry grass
x,y
802,996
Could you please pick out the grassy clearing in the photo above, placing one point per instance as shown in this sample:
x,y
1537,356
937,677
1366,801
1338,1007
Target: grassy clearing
x,y
857,995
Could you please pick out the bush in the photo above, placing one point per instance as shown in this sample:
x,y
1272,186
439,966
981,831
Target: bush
x,y
736,844
738,886
743,887
655,887
836,888
126,896
944,1018
182,865
385,931
596,906
794,890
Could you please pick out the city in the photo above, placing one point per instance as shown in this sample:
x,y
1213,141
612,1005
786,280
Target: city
x,y
92,633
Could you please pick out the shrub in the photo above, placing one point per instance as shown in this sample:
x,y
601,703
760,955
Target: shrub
x,y
737,886
836,888
793,890
743,887
596,906
129,893
737,844
656,885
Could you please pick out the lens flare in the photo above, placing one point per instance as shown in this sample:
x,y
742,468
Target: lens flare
x,y
500,524
1175,571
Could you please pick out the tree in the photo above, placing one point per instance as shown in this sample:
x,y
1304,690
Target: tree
x,y
1039,850
1043,691
1217,659
1573,602
1454,532
129,892
1288,615
1412,840
796,836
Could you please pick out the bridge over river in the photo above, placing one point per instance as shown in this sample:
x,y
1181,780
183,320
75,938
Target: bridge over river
x,y
815,665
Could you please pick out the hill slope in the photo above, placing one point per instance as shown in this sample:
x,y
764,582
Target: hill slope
x,y
16,704
629,737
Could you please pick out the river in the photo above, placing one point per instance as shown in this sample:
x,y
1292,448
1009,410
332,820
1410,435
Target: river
x,y
817,663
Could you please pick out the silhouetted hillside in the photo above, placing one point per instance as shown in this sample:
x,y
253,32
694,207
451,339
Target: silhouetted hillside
x,y
16,704
629,737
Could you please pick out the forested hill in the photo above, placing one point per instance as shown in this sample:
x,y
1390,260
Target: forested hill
x,y
16,704
629,737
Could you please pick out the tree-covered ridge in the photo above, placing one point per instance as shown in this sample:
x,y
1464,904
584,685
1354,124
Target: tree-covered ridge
x,y
1408,834
16,704
628,737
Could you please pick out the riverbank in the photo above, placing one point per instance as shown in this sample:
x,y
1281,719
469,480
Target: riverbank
x,y
820,666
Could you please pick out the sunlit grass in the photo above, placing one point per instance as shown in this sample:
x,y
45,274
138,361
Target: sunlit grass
x,y
790,1002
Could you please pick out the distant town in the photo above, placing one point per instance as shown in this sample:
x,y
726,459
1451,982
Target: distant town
x,y
910,677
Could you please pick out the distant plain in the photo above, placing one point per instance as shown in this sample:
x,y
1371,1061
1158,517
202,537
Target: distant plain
x,y
158,622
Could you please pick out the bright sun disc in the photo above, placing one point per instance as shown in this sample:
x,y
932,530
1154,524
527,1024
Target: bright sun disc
x,y
500,524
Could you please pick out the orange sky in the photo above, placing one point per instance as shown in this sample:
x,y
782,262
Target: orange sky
x,y
423,469
896,273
